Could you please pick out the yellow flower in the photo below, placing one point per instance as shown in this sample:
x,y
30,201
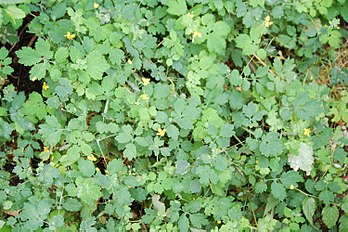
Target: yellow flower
x,y
191,15
146,81
130,61
106,171
97,169
92,158
144,97
70,36
196,34
45,86
292,187
96,5
161,132
268,21
307,131
46,149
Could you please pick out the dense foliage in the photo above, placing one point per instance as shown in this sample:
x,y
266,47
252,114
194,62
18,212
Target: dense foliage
x,y
174,115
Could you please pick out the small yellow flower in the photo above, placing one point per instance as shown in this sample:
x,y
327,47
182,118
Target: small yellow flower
x,y
161,132
97,169
307,131
92,158
292,187
268,21
70,36
146,81
219,222
96,5
106,171
46,149
144,97
129,61
45,86
196,34
191,15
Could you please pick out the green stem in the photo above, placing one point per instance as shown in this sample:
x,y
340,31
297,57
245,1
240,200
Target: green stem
x,y
239,141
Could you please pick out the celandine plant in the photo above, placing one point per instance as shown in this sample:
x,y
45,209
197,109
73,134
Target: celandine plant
x,y
176,115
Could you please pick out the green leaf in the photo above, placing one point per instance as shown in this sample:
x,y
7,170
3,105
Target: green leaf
x,y
96,65
56,221
335,39
216,43
309,206
7,2
51,130
271,145
255,3
14,12
43,48
182,167
28,56
198,220
73,154
291,178
272,202
267,224
227,130
86,167
34,107
116,56
123,196
221,163
327,197
126,135
88,191
115,167
1,17
247,45
250,109
38,71
173,132
304,160
278,191
216,40
176,7
343,223
61,54
58,11
235,78
3,53
72,204
183,223
330,216
221,28
260,187
157,204
130,152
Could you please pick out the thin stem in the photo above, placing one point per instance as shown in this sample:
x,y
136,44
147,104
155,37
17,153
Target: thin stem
x,y
252,210
101,151
265,65
239,141
307,194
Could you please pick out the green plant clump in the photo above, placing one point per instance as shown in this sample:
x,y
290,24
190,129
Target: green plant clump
x,y
175,115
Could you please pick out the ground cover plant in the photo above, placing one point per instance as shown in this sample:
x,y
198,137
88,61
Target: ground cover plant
x,y
173,115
